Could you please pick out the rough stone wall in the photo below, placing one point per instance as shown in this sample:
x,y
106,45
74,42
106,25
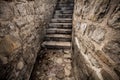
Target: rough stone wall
x,y
96,39
22,26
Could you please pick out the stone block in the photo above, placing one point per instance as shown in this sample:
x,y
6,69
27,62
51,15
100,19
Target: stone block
x,y
77,26
6,12
30,18
9,44
21,0
114,20
31,9
90,30
98,35
112,48
117,70
3,60
93,61
81,45
21,7
83,28
104,58
88,45
20,65
108,76
99,10
21,21
78,10
94,76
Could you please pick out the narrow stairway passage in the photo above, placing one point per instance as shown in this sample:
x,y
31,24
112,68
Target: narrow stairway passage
x,y
58,33
55,63
59,39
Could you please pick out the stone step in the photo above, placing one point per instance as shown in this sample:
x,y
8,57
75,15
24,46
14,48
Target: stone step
x,y
62,20
64,12
63,16
65,2
64,8
56,45
66,5
70,1
58,31
61,27
57,37
60,24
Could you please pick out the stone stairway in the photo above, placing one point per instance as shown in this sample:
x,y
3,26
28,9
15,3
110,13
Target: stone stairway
x,y
59,31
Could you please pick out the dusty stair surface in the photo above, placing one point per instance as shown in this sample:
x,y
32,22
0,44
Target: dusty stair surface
x,y
55,62
58,33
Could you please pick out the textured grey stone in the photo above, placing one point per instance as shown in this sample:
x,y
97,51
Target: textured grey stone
x,y
22,9
96,26
107,76
21,21
8,45
24,34
98,35
3,59
113,50
78,26
5,11
93,61
94,76
112,47
117,70
90,30
114,20
60,74
83,28
100,10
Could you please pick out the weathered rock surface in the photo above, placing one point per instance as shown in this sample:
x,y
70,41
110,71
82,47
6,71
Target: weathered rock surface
x,y
22,28
53,66
96,39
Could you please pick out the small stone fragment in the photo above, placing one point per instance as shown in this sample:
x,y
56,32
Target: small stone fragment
x,y
67,55
60,74
59,60
20,65
107,75
8,44
67,72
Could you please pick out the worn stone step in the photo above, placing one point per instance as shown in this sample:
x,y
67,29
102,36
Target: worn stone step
x,y
56,45
65,5
58,31
62,16
60,24
61,27
70,1
63,11
65,2
64,8
62,20
58,37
